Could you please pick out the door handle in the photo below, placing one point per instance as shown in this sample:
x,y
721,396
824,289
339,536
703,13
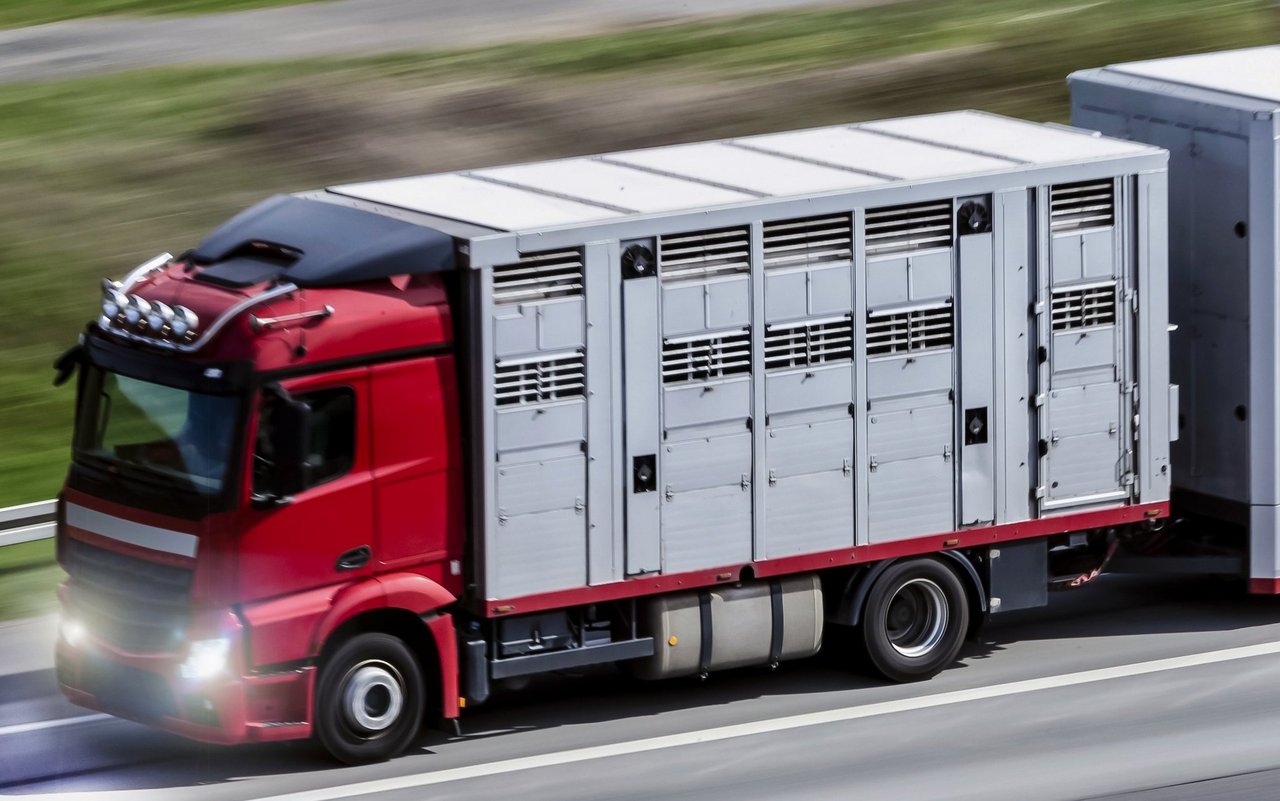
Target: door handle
x,y
355,558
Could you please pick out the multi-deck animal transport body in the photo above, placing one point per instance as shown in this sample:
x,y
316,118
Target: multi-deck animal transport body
x,y
686,408
1218,115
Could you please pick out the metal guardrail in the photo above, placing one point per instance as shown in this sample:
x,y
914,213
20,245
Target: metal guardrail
x,y
27,523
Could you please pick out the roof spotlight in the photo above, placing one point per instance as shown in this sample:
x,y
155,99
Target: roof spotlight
x,y
159,317
113,300
184,323
135,313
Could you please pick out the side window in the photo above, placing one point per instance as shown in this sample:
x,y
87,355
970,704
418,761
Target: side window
x,y
332,439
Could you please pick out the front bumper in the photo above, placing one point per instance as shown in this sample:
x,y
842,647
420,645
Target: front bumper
x,y
231,708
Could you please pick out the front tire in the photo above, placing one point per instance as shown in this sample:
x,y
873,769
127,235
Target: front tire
x,y
369,699
915,620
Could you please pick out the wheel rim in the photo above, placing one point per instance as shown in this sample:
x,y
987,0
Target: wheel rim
x,y
372,697
916,618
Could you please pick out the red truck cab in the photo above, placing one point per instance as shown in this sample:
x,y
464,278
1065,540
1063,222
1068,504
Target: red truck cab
x,y
267,452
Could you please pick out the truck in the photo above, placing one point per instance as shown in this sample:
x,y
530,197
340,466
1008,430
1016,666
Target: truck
x,y
366,453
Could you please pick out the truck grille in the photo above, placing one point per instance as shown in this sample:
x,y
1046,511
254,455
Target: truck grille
x,y
131,603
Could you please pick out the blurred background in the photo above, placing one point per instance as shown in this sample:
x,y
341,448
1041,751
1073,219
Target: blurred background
x,y
131,127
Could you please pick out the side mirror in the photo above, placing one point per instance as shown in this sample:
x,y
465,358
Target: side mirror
x,y
291,441
66,365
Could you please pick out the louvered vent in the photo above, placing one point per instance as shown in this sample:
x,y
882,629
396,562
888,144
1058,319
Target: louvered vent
x,y
808,242
539,276
706,357
915,227
808,343
1084,307
1088,204
539,380
909,330
705,254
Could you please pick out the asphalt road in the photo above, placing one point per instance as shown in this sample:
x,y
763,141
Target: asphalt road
x,y
1135,689
346,27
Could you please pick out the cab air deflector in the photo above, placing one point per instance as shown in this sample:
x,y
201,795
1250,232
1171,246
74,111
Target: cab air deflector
x,y
337,245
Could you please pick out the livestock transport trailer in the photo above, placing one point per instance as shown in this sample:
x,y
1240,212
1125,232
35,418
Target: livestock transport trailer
x,y
1218,115
690,408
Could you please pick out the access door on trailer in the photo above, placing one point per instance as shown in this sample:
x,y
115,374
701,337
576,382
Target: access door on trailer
x,y
687,391
1085,403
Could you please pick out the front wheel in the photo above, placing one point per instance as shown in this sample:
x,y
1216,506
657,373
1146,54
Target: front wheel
x,y
369,699
915,620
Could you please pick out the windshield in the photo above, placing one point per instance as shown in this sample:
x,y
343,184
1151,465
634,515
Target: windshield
x,y
156,434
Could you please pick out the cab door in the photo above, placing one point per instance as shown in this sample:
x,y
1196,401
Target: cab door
x,y
323,534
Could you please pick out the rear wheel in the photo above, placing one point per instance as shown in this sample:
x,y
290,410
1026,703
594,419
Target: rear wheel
x,y
369,699
915,620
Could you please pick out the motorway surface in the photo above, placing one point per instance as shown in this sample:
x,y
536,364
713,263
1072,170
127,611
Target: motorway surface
x,y
344,27
1133,688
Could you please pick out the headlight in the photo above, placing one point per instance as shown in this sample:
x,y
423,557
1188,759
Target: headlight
x,y
72,631
205,658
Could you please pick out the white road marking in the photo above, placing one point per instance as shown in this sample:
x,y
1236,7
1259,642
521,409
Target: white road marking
x,y
22,728
774,725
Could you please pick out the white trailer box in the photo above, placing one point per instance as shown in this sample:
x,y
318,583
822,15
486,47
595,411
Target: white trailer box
x,y
803,350
1218,114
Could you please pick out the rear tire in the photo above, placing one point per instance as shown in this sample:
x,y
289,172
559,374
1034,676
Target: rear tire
x,y
915,620
369,699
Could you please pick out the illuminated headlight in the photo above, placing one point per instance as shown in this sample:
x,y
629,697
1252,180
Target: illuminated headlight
x,y
113,300
159,317
205,658
136,312
72,631
184,322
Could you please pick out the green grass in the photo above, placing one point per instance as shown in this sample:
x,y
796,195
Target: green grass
x,y
103,173
28,576
19,13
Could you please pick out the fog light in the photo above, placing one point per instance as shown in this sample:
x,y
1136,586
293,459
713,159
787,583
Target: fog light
x,y
205,658
72,631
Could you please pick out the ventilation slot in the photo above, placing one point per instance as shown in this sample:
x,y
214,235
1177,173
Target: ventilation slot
x,y
902,228
808,242
1084,307
909,330
808,343
1090,204
539,276
703,255
541,380
703,358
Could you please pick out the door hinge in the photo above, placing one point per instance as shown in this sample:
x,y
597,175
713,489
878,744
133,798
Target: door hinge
x,y
946,453
1127,480
1131,297
847,467
1039,400
579,506
873,465
1038,493
773,478
745,483
668,493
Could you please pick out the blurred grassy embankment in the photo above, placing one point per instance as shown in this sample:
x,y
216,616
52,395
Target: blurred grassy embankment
x,y
103,173
19,13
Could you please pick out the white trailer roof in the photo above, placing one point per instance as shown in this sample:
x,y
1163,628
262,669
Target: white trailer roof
x,y
1254,72
725,173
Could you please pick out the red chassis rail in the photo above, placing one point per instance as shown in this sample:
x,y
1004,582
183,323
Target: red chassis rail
x,y
967,538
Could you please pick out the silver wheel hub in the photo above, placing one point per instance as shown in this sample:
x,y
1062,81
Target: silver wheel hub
x,y
916,619
373,696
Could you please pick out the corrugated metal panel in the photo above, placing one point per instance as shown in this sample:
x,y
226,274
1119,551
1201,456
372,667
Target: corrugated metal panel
x,y
725,164
859,149
613,185
1007,138
462,198
1254,72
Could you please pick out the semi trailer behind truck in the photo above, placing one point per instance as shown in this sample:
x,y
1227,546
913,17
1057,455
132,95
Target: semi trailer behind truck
x,y
365,451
